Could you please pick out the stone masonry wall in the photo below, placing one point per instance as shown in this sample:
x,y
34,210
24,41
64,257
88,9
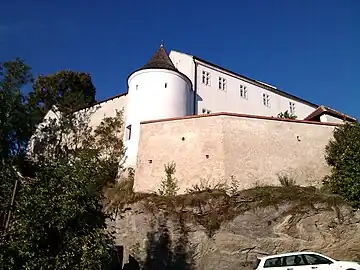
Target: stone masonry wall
x,y
215,148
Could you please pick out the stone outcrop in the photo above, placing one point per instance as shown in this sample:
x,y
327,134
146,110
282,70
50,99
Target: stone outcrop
x,y
212,230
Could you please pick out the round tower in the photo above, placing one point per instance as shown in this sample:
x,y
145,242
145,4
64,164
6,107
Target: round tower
x,y
155,91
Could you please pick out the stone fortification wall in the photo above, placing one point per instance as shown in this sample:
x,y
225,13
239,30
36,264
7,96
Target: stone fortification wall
x,y
215,148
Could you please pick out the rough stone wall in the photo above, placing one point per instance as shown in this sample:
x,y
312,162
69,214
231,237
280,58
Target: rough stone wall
x,y
212,149
258,150
287,227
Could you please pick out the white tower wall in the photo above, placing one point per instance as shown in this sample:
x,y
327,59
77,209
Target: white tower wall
x,y
153,94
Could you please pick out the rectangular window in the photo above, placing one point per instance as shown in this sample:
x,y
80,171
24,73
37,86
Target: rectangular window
x,y
266,100
206,111
222,84
292,107
206,77
243,92
128,133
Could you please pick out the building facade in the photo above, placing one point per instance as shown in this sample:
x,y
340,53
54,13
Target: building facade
x,y
179,85
216,124
220,90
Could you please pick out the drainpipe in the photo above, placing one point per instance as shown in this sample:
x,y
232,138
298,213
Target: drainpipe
x,y
195,88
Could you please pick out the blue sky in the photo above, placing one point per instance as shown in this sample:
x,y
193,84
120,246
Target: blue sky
x,y
309,48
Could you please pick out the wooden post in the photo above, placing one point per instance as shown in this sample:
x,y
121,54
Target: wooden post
x,y
11,204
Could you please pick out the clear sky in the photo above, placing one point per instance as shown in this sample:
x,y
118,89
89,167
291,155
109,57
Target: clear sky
x,y
309,48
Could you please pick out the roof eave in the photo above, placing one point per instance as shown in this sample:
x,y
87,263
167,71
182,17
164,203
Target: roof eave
x,y
277,91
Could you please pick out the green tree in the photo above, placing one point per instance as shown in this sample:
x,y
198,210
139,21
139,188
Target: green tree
x,y
59,221
286,115
68,90
169,185
17,122
343,155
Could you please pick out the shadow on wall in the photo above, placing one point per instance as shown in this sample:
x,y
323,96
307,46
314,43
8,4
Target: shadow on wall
x,y
159,253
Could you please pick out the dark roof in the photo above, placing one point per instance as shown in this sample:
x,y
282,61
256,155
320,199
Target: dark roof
x,y
258,83
160,59
326,110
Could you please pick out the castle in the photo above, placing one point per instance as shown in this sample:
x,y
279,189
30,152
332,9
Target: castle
x,y
215,125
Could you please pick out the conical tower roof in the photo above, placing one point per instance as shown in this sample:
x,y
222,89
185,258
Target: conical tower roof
x,y
160,59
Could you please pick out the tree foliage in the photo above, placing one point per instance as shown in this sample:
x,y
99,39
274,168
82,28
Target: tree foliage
x,y
17,122
58,221
68,90
343,155
16,115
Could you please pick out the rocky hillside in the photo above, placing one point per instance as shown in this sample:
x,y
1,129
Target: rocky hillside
x,y
213,230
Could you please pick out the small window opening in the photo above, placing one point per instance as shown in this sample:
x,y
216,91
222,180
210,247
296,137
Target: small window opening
x,y
165,85
128,132
137,87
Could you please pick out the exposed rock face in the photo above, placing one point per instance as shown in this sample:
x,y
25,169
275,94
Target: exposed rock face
x,y
222,232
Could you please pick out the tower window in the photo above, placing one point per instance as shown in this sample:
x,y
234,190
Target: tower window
x,y
222,84
165,85
128,133
206,77
266,100
137,87
243,91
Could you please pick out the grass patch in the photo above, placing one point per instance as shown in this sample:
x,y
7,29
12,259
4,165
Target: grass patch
x,y
211,208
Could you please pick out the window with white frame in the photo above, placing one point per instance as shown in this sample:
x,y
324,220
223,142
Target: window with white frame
x,y
206,111
206,77
222,83
292,107
243,91
266,100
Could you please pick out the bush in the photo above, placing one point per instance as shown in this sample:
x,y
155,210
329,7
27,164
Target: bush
x,y
169,185
286,181
343,155
286,115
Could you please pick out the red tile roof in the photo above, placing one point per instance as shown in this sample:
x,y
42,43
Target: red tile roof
x,y
326,110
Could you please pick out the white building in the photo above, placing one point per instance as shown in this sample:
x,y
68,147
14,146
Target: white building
x,y
179,85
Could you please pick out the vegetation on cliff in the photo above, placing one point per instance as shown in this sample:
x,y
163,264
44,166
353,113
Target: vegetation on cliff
x,y
210,208
52,213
